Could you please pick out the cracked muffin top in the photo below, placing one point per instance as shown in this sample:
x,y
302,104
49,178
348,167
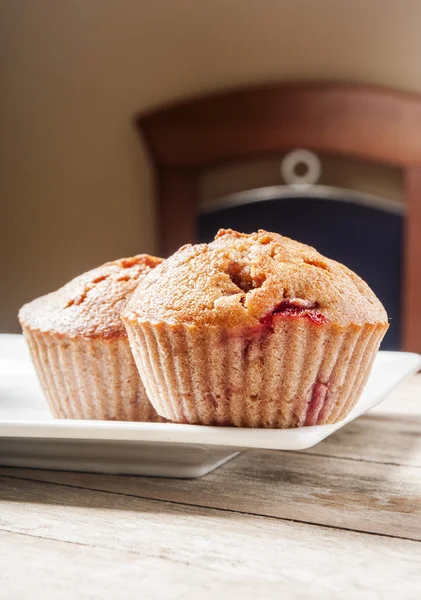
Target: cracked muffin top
x,y
90,305
248,279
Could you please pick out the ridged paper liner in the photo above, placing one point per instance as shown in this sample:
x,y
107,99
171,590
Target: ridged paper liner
x,y
300,374
89,378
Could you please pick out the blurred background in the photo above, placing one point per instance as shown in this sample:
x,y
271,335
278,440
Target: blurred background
x,y
77,181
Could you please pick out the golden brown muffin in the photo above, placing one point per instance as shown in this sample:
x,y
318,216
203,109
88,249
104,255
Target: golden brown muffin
x,y
255,331
79,345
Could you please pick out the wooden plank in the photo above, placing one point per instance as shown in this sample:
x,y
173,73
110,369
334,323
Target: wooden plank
x,y
384,438
52,570
164,550
357,495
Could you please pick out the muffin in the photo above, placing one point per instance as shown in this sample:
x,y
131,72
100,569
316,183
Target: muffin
x,y
254,331
79,345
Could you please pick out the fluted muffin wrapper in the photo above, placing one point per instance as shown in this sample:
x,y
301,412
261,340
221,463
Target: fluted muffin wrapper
x,y
89,378
298,374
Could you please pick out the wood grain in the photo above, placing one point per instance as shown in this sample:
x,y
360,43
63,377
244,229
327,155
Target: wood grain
x,y
387,439
367,476
54,570
266,525
109,545
352,494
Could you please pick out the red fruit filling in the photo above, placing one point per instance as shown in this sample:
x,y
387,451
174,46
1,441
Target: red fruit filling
x,y
288,309
317,401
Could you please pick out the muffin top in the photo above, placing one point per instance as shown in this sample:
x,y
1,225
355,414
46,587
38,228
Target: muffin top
x,y
90,305
246,279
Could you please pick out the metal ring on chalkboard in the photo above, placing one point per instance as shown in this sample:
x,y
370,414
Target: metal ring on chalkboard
x,y
310,164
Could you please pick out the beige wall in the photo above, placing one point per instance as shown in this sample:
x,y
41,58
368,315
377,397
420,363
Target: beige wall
x,y
76,184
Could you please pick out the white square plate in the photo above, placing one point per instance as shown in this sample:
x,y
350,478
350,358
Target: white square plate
x,y
30,437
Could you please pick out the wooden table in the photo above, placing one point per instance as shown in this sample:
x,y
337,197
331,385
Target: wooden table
x,y
340,520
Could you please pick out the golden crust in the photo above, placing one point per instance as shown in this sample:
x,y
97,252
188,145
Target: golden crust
x,y
89,306
238,279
